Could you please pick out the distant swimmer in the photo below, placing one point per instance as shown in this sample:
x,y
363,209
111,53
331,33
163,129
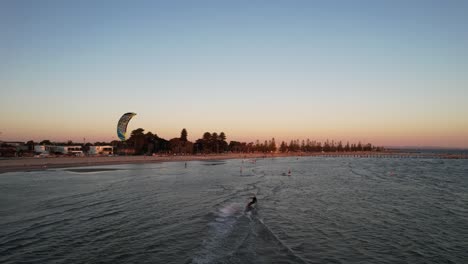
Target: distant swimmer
x,y
249,205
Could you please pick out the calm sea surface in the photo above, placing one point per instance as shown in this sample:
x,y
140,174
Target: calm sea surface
x,y
329,210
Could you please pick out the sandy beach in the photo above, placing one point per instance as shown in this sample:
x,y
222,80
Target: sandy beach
x,y
30,164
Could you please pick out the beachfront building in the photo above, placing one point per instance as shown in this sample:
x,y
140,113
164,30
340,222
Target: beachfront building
x,y
101,150
43,149
11,149
20,146
67,150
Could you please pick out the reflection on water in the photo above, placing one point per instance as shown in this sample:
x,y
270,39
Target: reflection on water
x,y
310,210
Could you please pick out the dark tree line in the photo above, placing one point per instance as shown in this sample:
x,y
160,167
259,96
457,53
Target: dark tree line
x,y
148,143
327,146
265,147
140,143
211,143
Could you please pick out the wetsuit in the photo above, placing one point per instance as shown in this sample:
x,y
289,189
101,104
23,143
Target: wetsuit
x,y
254,200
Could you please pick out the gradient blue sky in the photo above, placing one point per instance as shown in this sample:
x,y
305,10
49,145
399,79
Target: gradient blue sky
x,y
388,72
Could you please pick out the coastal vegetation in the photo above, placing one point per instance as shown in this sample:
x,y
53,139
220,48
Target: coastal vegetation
x,y
140,143
147,143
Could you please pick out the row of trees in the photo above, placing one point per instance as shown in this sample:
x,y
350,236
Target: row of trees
x,y
141,142
148,143
211,143
327,146
216,143
265,147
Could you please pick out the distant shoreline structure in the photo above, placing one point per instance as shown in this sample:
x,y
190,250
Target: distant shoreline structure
x,y
35,164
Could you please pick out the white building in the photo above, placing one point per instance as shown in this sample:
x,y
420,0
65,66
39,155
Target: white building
x,y
71,150
41,149
101,150
68,150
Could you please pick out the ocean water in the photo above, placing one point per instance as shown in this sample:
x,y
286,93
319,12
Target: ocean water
x,y
327,210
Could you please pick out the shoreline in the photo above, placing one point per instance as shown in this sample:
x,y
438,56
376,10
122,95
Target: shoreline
x,y
35,164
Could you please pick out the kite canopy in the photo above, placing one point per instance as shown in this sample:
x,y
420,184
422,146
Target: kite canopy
x,y
122,125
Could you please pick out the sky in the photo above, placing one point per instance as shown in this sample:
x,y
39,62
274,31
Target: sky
x,y
392,73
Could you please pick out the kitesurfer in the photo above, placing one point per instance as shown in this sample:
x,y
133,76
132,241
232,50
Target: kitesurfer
x,y
254,200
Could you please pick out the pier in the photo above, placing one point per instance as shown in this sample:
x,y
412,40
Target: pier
x,y
389,155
